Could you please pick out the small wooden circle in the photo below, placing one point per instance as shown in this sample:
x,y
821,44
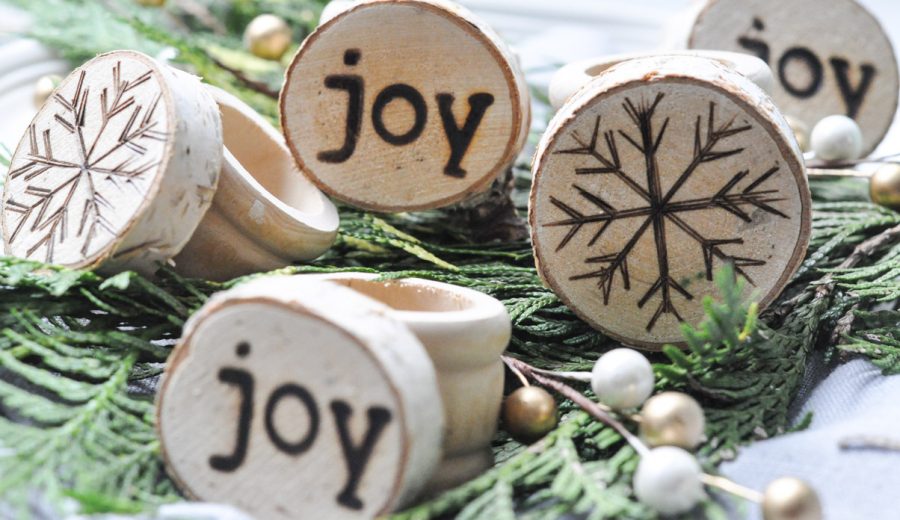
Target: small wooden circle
x,y
652,177
116,169
424,111
294,398
826,61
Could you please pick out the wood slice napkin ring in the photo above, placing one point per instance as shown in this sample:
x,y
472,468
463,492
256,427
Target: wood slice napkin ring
x,y
652,177
834,59
116,169
265,214
295,398
464,332
423,112
572,77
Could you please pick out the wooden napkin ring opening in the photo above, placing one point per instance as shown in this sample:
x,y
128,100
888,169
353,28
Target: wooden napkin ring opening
x,y
265,213
571,78
464,332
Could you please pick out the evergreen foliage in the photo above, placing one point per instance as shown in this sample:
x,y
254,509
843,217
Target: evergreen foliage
x,y
80,354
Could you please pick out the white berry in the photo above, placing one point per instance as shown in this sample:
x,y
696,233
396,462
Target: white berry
x,y
334,8
836,138
668,480
622,378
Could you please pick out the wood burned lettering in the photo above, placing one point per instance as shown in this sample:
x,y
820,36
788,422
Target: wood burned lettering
x,y
803,73
356,450
459,136
664,210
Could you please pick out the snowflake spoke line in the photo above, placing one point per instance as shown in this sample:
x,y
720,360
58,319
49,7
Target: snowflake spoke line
x,y
660,208
617,261
113,102
609,166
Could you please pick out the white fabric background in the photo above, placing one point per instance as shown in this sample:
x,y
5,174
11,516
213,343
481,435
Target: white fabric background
x,y
854,400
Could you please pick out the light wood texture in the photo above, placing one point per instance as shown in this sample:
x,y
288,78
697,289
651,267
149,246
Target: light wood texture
x,y
827,59
425,111
116,170
572,77
464,333
321,359
265,214
650,179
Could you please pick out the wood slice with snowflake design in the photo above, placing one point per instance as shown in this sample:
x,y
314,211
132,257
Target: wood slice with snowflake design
x,y
656,174
116,169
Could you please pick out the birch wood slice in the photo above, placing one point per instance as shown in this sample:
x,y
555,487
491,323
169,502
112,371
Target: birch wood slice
x,y
116,169
651,178
293,398
827,59
396,105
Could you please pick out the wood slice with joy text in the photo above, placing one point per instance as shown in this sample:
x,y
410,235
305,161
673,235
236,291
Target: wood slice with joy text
x,y
396,105
294,398
116,169
651,178
828,58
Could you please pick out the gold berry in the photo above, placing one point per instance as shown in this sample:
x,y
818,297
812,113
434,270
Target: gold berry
x,y
152,3
789,498
529,413
268,37
44,88
884,186
672,419
801,132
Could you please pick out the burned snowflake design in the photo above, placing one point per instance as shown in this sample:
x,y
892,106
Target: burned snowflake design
x,y
661,210
86,163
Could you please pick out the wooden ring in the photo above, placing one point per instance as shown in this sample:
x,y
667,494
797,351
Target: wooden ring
x,y
298,398
573,77
116,169
464,332
651,178
400,131
265,213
